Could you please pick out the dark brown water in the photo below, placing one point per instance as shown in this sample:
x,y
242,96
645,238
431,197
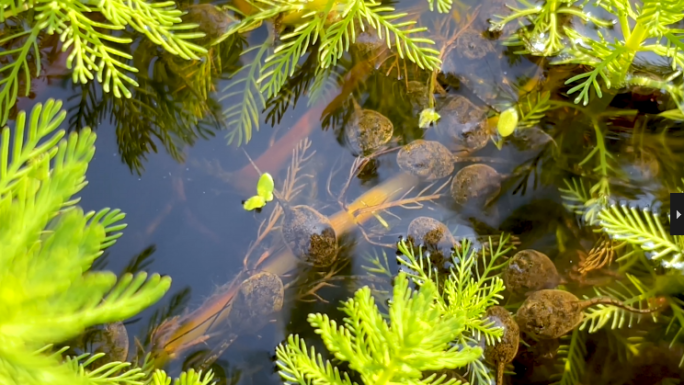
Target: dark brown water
x,y
184,212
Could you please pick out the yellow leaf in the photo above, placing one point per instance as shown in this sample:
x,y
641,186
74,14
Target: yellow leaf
x,y
255,202
508,121
265,187
427,117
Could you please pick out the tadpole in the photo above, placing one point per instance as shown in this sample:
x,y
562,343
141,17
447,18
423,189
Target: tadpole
x,y
502,352
550,314
308,234
530,270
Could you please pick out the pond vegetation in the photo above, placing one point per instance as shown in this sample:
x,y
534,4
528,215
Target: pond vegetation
x,y
446,192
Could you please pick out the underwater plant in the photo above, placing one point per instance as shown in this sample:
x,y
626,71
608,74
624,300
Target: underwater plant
x,y
555,29
47,246
636,238
416,339
95,49
330,27
264,195
430,326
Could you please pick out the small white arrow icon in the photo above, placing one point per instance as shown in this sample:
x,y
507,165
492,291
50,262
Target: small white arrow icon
x,y
678,215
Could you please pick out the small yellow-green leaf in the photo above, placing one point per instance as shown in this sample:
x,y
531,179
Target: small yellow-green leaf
x,y
428,116
508,120
255,202
675,114
265,187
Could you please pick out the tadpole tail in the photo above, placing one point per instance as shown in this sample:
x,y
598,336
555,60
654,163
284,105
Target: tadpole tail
x,y
280,200
500,372
616,303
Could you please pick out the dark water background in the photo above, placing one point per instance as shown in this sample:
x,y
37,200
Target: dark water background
x,y
199,232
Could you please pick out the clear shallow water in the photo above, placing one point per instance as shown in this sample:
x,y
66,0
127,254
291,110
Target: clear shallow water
x,y
192,216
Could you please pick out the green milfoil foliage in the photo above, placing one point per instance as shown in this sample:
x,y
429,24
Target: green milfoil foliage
x,y
334,24
95,45
471,287
467,289
47,246
416,337
434,327
650,26
640,227
643,228
329,27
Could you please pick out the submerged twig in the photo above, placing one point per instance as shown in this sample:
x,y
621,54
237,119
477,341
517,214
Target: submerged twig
x,y
288,191
404,201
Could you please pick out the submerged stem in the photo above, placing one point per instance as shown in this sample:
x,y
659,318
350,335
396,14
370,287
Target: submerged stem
x,y
633,45
386,375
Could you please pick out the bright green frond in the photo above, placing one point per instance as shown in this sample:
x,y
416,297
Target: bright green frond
x,y
17,69
656,14
159,21
24,148
600,316
242,115
472,286
643,228
299,365
47,246
468,289
443,6
416,49
109,373
416,337
94,47
341,34
282,64
571,357
9,8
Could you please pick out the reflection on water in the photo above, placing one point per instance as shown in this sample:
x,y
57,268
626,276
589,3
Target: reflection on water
x,y
184,208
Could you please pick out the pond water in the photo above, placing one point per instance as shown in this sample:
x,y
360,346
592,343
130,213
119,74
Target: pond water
x,y
183,202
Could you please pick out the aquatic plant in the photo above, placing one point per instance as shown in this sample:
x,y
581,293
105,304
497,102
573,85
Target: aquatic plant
x,y
477,286
648,26
416,339
329,26
638,241
264,195
47,246
95,50
643,228
431,327
571,358
171,107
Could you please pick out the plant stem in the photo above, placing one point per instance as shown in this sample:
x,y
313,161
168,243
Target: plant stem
x,y
633,41
636,37
633,45
386,375
14,12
